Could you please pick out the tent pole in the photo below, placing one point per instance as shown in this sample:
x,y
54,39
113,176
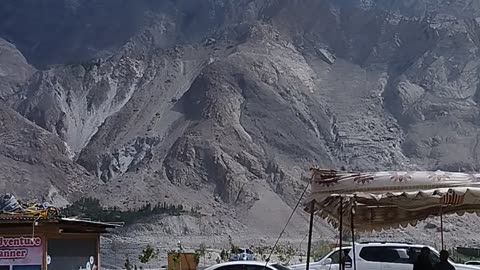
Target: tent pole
x,y
310,230
441,227
340,235
352,225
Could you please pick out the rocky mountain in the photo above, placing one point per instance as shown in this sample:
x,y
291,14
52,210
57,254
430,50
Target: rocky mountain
x,y
35,163
14,69
225,104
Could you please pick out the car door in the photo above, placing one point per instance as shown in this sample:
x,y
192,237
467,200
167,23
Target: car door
x,y
396,259
390,257
369,258
331,262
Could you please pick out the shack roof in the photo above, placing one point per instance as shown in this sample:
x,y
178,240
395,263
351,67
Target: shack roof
x,y
80,225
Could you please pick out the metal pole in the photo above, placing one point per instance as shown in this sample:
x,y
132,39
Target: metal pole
x,y
441,227
352,225
341,235
310,230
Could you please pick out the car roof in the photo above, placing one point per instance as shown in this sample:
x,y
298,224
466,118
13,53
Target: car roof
x,y
344,247
239,263
391,244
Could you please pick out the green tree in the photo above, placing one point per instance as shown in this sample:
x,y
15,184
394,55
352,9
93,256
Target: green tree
x,y
91,208
202,251
233,248
196,257
148,253
285,252
262,251
224,255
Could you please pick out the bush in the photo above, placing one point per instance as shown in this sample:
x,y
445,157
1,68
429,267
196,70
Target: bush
x,y
148,253
321,250
285,252
224,255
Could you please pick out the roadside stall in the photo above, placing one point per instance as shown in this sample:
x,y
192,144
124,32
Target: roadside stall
x,y
373,201
33,237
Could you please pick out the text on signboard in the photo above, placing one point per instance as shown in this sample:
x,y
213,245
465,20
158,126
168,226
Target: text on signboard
x,y
13,254
20,242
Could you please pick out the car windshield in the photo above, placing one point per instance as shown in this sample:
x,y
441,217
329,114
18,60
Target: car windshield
x,y
334,255
280,267
323,257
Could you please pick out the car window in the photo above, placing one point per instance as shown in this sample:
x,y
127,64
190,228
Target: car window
x,y
434,256
404,255
336,255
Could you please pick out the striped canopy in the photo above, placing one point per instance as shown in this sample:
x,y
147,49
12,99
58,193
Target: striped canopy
x,y
383,200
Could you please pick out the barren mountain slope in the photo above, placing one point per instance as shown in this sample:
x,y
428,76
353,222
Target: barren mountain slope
x,y
35,163
14,69
225,104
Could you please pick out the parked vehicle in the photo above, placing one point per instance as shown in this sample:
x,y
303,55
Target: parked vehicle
x,y
243,254
327,262
379,256
247,265
391,256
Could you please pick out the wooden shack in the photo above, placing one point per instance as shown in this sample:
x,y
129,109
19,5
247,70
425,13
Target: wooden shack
x,y
182,261
33,243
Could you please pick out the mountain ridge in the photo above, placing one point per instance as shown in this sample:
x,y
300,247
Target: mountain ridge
x,y
225,104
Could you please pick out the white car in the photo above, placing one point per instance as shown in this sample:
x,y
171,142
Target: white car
x,y
379,256
327,262
392,256
247,265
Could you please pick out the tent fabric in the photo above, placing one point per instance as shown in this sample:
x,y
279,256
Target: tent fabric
x,y
8,203
384,200
11,207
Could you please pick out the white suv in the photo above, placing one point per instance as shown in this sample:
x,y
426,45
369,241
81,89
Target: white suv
x,y
327,262
378,256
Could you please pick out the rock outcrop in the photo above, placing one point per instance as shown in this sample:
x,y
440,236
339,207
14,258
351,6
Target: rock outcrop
x,y
35,163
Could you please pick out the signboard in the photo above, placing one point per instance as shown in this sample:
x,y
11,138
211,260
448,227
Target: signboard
x,y
21,251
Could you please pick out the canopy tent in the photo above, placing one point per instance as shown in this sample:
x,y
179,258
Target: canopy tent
x,y
382,200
